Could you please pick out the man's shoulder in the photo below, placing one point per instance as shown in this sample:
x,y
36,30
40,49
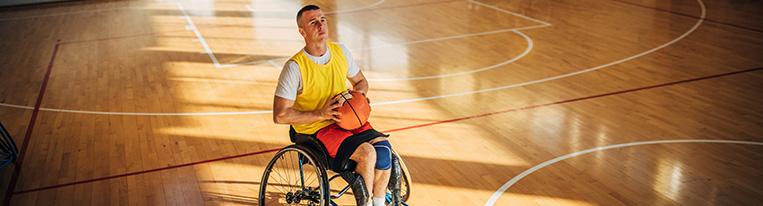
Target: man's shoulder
x,y
291,65
338,44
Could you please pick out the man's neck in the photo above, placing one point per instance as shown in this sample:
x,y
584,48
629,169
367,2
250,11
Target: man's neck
x,y
316,48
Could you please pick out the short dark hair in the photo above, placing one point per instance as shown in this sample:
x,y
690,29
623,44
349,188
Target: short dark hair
x,y
306,8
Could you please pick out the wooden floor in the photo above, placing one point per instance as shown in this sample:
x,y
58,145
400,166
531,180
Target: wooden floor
x,y
574,102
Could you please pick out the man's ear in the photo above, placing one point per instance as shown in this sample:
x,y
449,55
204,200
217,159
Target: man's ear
x,y
302,31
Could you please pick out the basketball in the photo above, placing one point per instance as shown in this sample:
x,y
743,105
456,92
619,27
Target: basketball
x,y
355,110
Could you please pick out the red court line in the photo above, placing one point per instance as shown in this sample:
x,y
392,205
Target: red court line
x,y
148,171
691,16
28,136
410,127
578,99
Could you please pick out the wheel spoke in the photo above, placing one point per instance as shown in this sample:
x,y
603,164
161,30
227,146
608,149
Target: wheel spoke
x,y
284,178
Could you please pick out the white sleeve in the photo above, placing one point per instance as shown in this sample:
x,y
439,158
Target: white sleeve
x,y
289,82
352,67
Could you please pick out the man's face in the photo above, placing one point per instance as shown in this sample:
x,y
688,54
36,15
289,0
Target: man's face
x,y
313,26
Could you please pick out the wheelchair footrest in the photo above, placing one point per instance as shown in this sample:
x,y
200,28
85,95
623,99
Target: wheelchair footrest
x,y
390,201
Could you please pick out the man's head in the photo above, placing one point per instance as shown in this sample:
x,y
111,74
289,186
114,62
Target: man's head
x,y
312,24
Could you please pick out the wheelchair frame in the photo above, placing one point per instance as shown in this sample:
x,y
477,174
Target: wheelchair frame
x,y
320,195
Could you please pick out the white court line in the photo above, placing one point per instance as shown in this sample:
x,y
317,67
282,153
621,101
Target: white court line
x,y
527,172
198,35
515,30
542,24
357,9
408,43
511,12
366,7
699,22
527,51
538,81
16,106
514,180
248,7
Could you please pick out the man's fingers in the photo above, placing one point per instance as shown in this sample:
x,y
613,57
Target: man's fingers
x,y
337,98
335,105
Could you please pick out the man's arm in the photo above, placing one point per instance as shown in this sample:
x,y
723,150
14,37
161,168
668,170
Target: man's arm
x,y
283,101
359,83
284,113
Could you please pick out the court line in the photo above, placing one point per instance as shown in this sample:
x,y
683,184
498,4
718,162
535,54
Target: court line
x,y
542,24
510,86
248,7
30,129
413,127
581,98
459,36
696,25
257,112
691,16
360,8
17,106
147,171
198,35
511,12
356,9
528,48
538,81
527,172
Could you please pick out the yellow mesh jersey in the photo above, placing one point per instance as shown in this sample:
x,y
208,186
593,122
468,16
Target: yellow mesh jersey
x,y
319,84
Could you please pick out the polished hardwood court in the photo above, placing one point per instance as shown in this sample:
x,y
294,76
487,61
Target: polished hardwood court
x,y
489,102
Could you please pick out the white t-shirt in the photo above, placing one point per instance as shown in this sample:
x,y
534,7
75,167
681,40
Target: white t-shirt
x,y
290,80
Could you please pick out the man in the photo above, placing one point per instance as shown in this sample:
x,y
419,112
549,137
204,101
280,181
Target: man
x,y
306,99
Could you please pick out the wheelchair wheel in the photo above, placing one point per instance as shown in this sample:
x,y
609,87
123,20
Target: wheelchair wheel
x,y
405,183
294,177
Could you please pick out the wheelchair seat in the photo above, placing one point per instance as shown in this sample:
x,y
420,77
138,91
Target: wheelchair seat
x,y
336,165
312,142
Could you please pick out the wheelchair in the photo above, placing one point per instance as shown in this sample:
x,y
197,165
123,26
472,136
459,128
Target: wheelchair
x,y
299,175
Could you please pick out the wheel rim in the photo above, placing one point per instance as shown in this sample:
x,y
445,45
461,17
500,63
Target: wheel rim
x,y
405,187
282,182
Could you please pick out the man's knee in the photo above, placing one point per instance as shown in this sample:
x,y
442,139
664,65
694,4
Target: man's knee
x,y
383,155
364,152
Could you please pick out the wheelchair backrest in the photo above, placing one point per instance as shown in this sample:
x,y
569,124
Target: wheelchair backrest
x,y
309,141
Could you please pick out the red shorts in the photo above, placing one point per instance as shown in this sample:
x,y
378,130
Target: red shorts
x,y
332,136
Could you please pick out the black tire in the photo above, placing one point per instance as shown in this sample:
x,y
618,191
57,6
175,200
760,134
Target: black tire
x,y
8,150
283,167
405,183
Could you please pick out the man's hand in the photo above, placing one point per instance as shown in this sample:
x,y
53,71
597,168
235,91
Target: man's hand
x,y
284,113
330,111
361,92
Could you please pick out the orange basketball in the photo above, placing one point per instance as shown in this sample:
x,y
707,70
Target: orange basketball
x,y
355,111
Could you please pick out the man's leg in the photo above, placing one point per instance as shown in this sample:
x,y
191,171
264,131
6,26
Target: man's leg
x,y
381,178
383,170
365,156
